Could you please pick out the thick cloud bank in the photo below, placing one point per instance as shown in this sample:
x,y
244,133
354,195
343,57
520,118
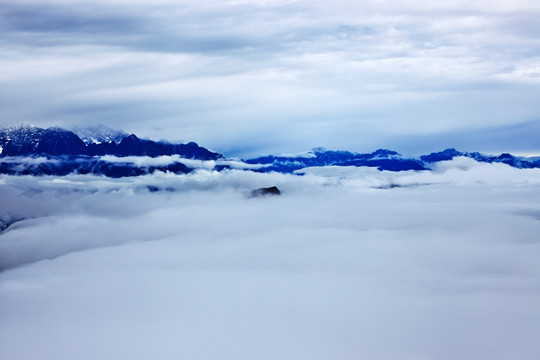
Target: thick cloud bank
x,y
347,263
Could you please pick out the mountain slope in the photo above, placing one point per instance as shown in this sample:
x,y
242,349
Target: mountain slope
x,y
382,159
505,158
33,141
29,140
99,134
29,150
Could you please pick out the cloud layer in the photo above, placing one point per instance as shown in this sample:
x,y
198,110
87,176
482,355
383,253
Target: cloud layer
x,y
435,265
249,77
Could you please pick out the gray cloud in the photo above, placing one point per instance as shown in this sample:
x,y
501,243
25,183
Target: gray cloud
x,y
273,77
42,18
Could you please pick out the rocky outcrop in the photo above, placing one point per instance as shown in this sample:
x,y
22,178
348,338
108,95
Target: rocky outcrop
x,y
273,190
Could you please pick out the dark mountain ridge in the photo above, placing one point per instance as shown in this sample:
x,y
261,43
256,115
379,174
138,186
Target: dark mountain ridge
x,y
505,158
29,140
382,159
55,141
28,150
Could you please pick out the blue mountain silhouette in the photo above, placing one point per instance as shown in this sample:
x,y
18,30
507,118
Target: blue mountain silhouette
x,y
57,151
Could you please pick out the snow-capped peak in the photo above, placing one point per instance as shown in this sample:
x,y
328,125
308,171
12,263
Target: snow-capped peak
x,y
318,150
99,134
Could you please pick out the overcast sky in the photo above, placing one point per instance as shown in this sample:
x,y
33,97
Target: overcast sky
x,y
254,77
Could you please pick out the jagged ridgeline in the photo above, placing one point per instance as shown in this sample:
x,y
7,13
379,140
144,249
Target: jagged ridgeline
x,y
55,141
28,150
382,159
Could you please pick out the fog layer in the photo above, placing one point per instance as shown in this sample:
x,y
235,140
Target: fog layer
x,y
347,263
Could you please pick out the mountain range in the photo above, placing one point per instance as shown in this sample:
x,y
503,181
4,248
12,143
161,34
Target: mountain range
x,y
55,141
30,150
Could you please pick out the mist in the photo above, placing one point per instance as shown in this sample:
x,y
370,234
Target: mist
x,y
347,263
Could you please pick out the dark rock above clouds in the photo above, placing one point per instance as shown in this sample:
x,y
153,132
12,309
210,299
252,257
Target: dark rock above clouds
x,y
273,190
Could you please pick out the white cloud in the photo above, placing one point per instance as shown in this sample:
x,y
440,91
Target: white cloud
x,y
29,160
44,202
333,268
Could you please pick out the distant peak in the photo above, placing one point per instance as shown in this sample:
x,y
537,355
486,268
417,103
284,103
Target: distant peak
x,y
319,150
447,154
98,134
57,129
132,137
385,153
451,151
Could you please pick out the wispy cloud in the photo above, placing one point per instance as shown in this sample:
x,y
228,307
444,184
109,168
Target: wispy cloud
x,y
273,76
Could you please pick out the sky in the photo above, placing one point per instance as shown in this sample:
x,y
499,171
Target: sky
x,y
340,266
255,77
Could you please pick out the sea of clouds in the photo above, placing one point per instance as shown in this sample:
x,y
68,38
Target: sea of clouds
x,y
348,263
